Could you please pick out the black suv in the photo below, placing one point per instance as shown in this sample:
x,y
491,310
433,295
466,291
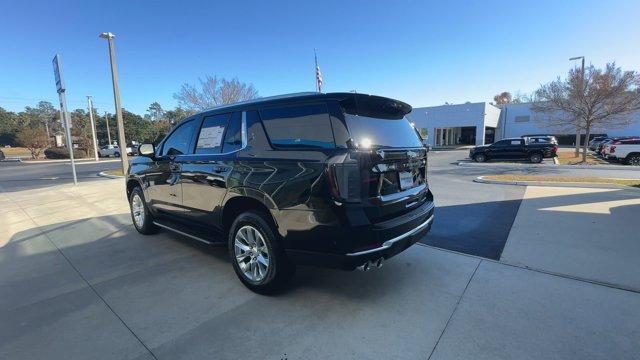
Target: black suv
x,y
336,180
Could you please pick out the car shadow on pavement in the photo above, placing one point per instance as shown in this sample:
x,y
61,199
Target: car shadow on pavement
x,y
479,229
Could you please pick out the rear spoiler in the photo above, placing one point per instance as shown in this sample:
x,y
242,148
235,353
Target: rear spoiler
x,y
374,106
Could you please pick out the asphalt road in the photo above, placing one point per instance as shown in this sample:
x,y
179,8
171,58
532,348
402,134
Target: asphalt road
x,y
16,176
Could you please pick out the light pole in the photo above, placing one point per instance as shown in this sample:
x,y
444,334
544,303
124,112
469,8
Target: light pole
x,y
122,143
106,118
577,152
93,128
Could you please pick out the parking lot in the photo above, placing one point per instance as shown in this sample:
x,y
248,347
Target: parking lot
x,y
506,272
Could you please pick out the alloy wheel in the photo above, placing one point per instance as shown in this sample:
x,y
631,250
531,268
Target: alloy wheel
x,y
635,161
137,208
251,253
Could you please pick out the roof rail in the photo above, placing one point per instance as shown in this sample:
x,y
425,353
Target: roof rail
x,y
261,99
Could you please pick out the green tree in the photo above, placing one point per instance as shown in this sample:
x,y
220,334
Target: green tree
x,y
155,112
33,138
8,127
178,114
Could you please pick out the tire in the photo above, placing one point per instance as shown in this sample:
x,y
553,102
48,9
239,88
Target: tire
x,y
256,239
480,158
140,215
116,154
633,160
535,158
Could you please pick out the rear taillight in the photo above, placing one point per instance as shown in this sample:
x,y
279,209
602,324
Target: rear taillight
x,y
612,149
344,181
555,148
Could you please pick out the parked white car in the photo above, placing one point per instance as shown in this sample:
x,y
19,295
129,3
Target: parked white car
x,y
625,150
112,150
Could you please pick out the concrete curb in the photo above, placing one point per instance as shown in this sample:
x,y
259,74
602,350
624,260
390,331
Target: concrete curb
x,y
502,164
77,161
589,167
482,180
13,159
108,176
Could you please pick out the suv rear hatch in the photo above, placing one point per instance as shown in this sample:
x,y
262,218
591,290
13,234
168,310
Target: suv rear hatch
x,y
386,169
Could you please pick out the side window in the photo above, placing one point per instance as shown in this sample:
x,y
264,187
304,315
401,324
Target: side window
x,y
210,137
178,142
516,142
302,126
502,143
233,136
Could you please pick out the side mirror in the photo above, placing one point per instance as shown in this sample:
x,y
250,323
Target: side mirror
x,y
146,150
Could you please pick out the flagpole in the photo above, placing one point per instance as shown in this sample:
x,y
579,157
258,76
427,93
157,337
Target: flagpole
x,y
315,71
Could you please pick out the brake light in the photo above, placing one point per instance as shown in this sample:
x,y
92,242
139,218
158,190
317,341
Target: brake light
x,y
612,149
344,181
555,148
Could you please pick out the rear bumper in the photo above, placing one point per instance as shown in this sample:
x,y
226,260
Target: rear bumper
x,y
397,237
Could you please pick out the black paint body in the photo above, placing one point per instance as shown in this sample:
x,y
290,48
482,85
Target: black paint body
x,y
206,191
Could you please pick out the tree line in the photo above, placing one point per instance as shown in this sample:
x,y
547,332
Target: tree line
x,y
35,127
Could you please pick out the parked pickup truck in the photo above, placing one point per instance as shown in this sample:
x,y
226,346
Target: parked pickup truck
x,y
624,150
513,149
112,150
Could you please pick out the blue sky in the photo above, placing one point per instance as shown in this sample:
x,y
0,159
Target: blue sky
x,y
425,53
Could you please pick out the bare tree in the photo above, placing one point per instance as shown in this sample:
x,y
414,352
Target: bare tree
x,y
214,91
603,100
502,98
35,139
520,98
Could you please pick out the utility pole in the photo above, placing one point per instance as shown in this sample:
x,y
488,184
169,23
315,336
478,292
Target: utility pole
x,y
577,151
93,128
106,117
122,143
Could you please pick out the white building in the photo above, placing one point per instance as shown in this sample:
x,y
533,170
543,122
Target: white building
x,y
484,123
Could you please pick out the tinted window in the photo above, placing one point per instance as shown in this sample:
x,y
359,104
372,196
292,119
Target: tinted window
x,y
211,133
178,142
233,136
502,143
516,142
380,132
306,126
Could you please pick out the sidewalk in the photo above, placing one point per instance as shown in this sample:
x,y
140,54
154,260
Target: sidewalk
x,y
79,282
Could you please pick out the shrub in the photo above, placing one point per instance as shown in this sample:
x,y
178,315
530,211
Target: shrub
x,y
63,153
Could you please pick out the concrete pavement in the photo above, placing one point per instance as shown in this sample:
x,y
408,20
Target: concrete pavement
x,y
77,281
588,233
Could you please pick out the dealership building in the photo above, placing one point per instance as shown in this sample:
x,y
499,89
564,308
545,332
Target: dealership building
x,y
484,123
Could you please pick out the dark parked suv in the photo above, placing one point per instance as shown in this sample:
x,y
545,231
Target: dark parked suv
x,y
336,180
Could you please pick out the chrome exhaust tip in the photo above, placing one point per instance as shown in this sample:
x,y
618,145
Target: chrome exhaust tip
x,y
365,267
379,262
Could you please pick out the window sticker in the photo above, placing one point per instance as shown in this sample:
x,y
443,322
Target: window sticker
x,y
210,137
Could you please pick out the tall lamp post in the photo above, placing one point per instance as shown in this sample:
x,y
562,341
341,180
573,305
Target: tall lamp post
x,y
122,143
577,152
93,127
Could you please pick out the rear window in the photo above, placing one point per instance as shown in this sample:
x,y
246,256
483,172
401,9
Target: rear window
x,y
380,132
304,126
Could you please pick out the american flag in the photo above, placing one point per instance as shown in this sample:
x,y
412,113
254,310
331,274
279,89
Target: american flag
x,y
318,74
